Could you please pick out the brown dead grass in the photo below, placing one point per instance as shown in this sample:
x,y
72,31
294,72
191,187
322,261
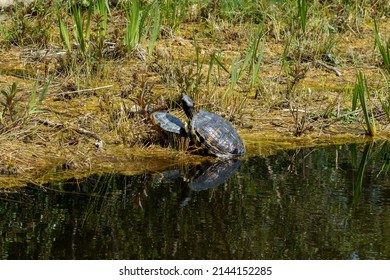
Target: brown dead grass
x,y
39,153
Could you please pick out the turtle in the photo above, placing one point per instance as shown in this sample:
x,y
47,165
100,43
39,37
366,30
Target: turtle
x,y
168,123
212,131
173,129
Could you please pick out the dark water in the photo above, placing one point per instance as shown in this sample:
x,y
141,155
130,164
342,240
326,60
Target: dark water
x,y
323,203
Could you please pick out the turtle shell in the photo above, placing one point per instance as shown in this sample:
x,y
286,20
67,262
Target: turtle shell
x,y
168,123
217,135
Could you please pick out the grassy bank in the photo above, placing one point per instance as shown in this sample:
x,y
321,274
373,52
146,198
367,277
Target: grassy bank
x,y
77,78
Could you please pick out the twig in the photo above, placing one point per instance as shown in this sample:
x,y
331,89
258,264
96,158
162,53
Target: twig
x,y
334,69
295,110
84,131
42,53
49,123
88,133
82,90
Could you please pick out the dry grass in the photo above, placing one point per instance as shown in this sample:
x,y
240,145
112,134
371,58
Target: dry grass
x,y
79,110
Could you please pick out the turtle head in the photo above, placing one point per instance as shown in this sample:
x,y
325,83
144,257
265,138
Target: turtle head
x,y
188,106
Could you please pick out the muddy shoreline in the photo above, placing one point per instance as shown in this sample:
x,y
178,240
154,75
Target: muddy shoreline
x,y
298,100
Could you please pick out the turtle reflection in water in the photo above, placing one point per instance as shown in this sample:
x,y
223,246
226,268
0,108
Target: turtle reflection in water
x,y
211,131
203,177
213,175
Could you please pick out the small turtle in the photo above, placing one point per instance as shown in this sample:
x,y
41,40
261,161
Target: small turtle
x,y
213,132
169,123
173,129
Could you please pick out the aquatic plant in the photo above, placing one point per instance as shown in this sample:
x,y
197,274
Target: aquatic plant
x,y
361,92
174,12
9,100
101,11
156,17
384,98
64,34
34,104
302,13
30,25
132,35
253,57
81,32
86,53
383,49
139,22
82,23
300,125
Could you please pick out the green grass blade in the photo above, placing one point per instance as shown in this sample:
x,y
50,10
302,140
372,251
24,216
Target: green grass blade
x,y
302,13
221,65
64,34
384,50
156,15
361,90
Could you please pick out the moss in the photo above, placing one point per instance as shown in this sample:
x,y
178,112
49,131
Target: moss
x,y
112,107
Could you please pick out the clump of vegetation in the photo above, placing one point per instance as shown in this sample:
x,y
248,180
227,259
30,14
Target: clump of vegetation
x,y
13,112
30,24
384,49
384,98
361,93
139,24
9,101
265,65
89,43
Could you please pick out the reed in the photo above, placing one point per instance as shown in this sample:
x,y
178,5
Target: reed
x,y
253,56
361,92
34,104
174,12
141,22
101,11
81,30
384,98
156,17
82,23
132,34
64,34
383,49
302,14
257,58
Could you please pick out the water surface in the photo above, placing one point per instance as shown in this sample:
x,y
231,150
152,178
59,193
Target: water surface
x,y
322,203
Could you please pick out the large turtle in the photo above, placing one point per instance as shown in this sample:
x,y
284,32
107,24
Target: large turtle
x,y
212,131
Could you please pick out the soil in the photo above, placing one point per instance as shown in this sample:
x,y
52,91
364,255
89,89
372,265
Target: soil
x,y
74,133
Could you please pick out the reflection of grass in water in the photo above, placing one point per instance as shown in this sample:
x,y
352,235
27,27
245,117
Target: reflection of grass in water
x,y
358,183
381,153
384,155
